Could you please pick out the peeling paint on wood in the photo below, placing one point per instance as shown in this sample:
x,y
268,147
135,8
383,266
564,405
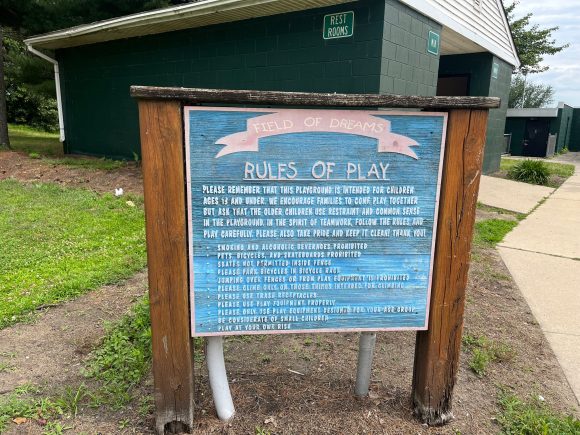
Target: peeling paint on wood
x,y
162,147
437,350
311,220
241,97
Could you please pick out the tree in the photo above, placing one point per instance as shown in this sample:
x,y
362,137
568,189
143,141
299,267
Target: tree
x,y
4,139
26,76
30,90
532,42
34,17
526,94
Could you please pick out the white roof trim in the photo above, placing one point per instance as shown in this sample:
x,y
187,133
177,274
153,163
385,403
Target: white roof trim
x,y
532,113
509,31
113,29
207,12
441,17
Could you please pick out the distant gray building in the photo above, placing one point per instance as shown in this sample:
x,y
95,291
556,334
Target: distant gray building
x,y
543,132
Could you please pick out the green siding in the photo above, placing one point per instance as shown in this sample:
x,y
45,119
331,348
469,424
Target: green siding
x,y
387,54
478,67
406,67
494,144
516,127
282,52
574,144
563,127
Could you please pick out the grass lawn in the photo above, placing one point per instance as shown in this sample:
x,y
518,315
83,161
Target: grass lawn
x,y
560,169
29,140
533,417
46,146
490,232
58,243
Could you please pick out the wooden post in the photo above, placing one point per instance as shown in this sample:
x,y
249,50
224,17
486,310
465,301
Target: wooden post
x,y
167,249
437,349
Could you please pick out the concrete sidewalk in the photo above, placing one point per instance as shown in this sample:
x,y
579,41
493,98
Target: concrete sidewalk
x,y
511,195
543,255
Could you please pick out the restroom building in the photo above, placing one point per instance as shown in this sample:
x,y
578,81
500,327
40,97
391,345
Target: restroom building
x,y
405,47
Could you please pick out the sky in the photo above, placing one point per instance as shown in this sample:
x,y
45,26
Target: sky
x,y
564,72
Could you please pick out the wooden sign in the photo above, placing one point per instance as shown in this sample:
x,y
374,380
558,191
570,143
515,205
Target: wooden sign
x,y
240,156
311,220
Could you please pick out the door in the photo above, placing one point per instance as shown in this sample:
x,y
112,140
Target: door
x,y
536,137
453,86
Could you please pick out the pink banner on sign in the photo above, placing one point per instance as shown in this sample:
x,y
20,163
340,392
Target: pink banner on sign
x,y
306,121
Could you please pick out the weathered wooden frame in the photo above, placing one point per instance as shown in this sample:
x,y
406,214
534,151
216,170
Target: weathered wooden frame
x,y
162,147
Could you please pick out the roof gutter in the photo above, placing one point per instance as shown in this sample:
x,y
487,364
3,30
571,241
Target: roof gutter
x,y
57,84
148,17
115,28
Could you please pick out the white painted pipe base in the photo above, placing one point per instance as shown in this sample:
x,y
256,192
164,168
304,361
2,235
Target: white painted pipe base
x,y
218,378
366,350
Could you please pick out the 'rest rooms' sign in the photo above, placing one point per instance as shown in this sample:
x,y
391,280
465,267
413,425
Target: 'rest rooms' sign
x,y
311,220
338,25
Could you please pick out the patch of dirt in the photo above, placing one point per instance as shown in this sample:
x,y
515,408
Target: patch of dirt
x,y
321,400
23,168
268,393
483,215
49,351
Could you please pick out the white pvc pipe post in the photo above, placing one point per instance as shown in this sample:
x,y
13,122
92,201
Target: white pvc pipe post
x,y
58,89
366,351
218,378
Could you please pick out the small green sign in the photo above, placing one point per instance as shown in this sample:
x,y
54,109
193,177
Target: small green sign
x,y
340,25
433,43
495,70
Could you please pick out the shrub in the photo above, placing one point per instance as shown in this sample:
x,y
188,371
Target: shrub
x,y
29,108
30,89
530,171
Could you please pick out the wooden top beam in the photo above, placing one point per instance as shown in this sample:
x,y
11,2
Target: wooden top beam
x,y
275,98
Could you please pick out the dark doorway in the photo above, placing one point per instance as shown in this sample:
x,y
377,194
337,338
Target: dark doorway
x,y
453,86
536,137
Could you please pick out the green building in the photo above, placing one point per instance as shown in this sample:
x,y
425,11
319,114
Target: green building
x,y
543,132
406,47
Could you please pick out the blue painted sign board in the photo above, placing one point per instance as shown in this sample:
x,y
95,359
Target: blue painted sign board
x,y
311,220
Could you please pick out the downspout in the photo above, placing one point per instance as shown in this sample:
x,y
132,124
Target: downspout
x,y
57,84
